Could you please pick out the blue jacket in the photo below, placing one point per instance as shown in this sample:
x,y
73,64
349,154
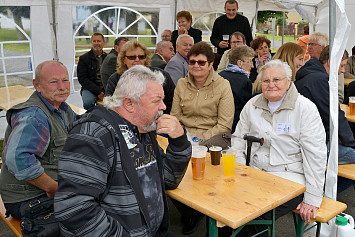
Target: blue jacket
x,y
312,82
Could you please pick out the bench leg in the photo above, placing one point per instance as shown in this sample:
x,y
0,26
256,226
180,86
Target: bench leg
x,y
299,225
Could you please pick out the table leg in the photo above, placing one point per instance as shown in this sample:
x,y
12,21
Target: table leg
x,y
212,226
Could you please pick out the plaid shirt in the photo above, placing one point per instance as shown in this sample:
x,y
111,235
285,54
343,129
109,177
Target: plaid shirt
x,y
29,139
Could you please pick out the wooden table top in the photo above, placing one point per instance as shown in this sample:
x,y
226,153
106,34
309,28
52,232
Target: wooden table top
x,y
237,200
13,95
347,81
346,109
347,171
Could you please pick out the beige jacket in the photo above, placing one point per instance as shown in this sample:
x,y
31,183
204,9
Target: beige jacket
x,y
294,141
224,61
205,112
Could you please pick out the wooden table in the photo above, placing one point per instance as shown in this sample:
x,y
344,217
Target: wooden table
x,y
233,201
347,81
13,95
345,108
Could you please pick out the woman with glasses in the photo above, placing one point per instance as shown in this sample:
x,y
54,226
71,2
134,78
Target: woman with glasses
x,y
294,139
203,103
261,46
203,100
237,73
290,53
136,53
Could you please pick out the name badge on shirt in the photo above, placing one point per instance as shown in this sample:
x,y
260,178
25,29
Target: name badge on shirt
x,y
283,128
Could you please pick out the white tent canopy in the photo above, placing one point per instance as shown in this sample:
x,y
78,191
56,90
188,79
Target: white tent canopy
x,y
43,40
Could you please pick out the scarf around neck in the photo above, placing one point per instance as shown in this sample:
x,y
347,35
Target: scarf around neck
x,y
236,68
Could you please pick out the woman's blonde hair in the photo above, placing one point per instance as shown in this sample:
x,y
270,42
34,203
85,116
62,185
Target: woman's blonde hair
x,y
287,53
131,45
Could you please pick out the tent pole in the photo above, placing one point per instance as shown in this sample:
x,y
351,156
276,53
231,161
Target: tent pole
x,y
332,19
283,26
175,14
54,25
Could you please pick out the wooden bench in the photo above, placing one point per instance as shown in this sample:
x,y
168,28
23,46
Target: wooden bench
x,y
327,211
12,223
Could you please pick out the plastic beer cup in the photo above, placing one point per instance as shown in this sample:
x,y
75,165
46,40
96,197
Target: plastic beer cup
x,y
352,105
228,159
198,159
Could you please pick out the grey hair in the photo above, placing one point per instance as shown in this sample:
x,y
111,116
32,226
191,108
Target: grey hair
x,y
40,66
321,38
184,36
161,45
274,64
240,53
133,84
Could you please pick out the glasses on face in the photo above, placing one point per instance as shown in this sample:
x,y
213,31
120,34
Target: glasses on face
x,y
199,62
276,81
237,42
133,57
165,36
313,44
249,61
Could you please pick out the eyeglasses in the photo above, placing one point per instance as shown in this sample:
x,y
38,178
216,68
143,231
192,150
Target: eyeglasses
x,y
133,57
313,44
276,81
165,36
237,42
199,62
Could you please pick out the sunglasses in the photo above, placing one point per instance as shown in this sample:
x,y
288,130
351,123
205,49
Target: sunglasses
x,y
199,62
133,57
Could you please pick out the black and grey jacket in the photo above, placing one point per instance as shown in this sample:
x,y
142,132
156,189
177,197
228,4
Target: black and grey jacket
x,y
82,177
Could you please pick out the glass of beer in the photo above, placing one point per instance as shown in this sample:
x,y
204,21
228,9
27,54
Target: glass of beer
x,y
228,159
225,38
352,105
198,159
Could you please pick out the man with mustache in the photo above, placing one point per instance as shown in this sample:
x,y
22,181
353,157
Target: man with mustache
x,y
112,172
34,138
88,71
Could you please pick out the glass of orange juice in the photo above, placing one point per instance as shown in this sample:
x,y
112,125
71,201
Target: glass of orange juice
x,y
228,159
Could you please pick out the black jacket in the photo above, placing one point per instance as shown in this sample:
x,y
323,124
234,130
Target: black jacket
x,y
168,87
241,88
194,33
86,70
224,26
312,82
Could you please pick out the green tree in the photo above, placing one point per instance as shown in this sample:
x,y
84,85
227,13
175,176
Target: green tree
x,y
18,13
264,16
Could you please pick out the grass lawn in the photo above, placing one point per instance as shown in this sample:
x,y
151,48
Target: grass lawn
x,y
279,38
11,35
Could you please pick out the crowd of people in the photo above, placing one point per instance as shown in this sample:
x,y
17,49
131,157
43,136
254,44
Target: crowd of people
x,y
104,174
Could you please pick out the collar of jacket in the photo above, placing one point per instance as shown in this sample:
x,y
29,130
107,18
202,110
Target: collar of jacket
x,y
161,57
211,78
288,103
